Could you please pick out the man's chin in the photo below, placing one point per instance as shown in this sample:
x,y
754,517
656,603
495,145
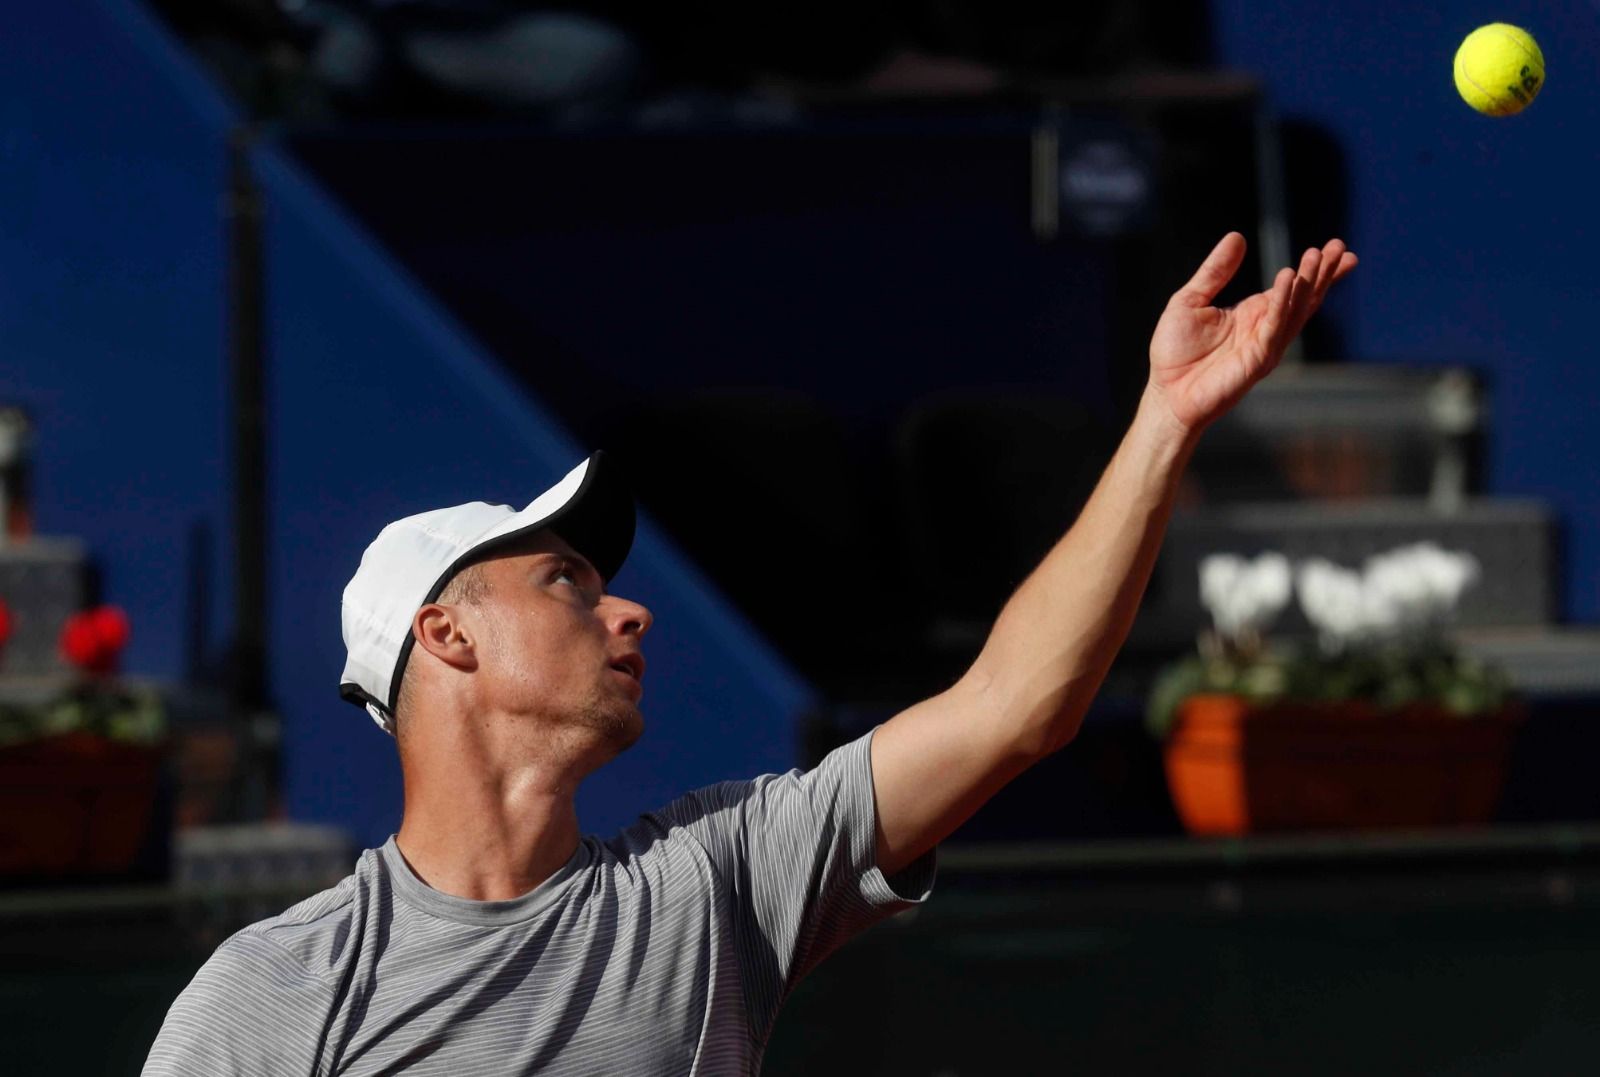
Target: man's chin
x,y
621,728
631,730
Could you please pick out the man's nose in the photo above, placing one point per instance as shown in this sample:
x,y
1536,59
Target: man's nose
x,y
626,617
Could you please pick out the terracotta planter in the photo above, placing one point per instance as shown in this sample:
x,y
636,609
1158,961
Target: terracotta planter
x,y
77,804
1236,768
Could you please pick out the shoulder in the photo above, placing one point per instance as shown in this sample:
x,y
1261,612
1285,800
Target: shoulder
x,y
720,820
282,949
245,965
313,936
259,1002
259,984
247,1011
316,930
732,804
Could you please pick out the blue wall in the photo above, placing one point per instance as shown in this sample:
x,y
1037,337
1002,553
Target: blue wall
x,y
111,316
111,297
1478,236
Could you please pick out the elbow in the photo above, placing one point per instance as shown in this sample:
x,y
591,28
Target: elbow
x,y
1048,730
1040,718
1037,714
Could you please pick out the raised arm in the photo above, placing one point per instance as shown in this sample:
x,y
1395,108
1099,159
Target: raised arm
x,y
1025,695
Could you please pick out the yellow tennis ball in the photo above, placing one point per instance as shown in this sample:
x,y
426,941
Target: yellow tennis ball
x,y
1499,69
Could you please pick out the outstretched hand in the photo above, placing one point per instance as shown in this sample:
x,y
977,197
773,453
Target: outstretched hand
x,y
1203,359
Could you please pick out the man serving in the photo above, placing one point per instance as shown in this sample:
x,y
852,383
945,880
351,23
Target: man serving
x,y
490,936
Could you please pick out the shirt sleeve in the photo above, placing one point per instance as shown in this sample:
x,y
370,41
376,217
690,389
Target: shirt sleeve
x,y
253,1008
799,852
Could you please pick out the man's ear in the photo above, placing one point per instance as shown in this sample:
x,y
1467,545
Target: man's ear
x,y
440,631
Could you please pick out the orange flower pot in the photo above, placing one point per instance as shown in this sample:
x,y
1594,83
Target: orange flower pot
x,y
76,804
1235,768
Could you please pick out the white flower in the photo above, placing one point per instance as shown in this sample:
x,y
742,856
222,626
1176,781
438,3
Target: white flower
x,y
1396,592
1244,596
1418,585
1218,572
1448,576
1272,580
1405,590
1219,576
1335,601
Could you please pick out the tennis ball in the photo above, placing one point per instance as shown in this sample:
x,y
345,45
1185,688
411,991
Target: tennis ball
x,y
1499,69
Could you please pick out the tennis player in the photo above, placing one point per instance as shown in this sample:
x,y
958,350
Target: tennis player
x,y
490,936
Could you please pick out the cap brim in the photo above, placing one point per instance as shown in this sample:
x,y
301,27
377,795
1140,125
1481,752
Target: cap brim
x,y
597,520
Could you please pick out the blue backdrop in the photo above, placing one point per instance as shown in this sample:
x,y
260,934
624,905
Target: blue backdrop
x,y
111,302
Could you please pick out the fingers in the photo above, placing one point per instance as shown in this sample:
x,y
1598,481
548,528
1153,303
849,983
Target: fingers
x,y
1215,272
1336,263
1310,265
1280,300
1332,256
1319,270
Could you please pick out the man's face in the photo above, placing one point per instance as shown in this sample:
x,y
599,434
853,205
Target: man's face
x,y
555,647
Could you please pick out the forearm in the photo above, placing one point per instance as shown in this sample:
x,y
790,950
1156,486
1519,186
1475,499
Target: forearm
x,y
1054,641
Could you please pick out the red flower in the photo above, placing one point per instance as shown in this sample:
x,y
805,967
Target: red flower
x,y
111,626
93,639
78,641
5,623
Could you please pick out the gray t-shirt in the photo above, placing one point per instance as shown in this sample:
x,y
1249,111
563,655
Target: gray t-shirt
x,y
664,950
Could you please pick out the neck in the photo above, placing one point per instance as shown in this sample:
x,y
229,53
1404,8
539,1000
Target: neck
x,y
478,827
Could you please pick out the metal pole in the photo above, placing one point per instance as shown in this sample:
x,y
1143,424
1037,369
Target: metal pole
x,y
246,356
256,791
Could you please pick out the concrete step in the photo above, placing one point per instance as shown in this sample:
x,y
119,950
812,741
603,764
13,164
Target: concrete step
x,y
1552,660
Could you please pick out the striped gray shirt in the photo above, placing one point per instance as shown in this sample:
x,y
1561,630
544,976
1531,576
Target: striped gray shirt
x,y
664,950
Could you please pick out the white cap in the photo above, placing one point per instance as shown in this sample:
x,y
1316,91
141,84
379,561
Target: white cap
x,y
411,560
